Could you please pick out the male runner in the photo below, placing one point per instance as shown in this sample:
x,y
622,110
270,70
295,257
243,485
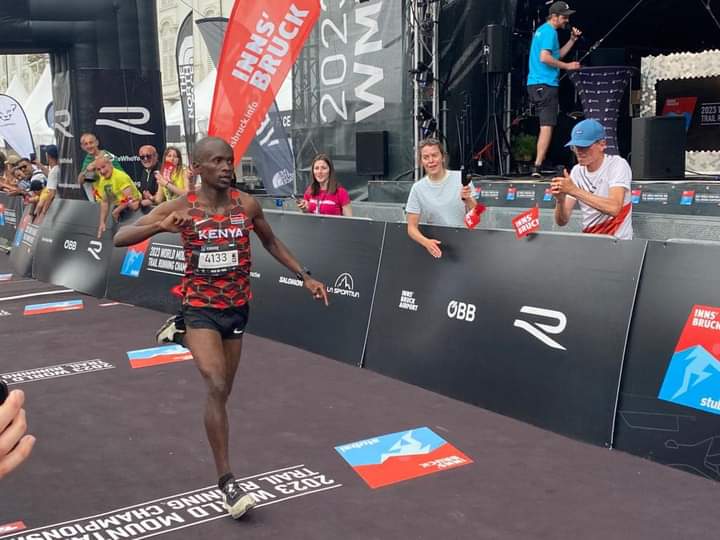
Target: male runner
x,y
215,223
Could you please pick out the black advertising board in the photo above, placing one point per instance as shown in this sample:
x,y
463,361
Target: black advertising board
x,y
123,107
68,251
531,329
670,397
10,213
698,100
342,253
23,245
144,274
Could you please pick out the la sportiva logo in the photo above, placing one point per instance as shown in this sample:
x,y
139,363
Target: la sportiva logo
x,y
541,330
344,286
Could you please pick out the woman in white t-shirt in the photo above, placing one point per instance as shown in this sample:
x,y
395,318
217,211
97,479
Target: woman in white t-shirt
x,y
438,198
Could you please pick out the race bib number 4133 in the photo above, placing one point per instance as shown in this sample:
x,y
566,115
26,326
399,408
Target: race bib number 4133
x,y
212,260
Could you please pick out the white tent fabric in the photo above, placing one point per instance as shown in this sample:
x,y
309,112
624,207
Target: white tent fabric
x,y
203,101
17,90
284,95
35,107
173,114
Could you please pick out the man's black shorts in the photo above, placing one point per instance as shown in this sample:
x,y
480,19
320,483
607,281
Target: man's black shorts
x,y
546,101
229,323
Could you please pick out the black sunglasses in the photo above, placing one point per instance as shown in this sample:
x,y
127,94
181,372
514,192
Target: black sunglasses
x,y
146,156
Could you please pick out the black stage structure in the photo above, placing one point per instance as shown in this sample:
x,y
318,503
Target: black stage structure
x,y
473,88
106,74
353,81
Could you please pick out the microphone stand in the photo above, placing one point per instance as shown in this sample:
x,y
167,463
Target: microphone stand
x,y
600,41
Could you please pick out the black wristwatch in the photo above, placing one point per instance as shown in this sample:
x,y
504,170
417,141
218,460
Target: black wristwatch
x,y
302,271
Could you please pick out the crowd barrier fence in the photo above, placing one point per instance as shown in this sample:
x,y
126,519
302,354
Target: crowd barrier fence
x,y
10,212
547,330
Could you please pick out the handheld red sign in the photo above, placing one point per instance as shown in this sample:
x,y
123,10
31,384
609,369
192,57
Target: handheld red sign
x,y
527,223
168,169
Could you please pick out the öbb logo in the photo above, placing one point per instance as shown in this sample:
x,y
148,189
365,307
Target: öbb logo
x,y
461,311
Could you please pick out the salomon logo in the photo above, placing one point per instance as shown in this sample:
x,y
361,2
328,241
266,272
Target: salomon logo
x,y
126,124
540,330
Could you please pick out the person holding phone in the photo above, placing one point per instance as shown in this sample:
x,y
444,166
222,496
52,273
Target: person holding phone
x,y
325,195
438,198
173,179
15,445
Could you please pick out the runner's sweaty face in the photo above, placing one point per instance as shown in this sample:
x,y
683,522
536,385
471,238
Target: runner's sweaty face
x,y
216,166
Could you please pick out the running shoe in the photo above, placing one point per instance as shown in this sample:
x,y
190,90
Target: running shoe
x,y
237,502
172,331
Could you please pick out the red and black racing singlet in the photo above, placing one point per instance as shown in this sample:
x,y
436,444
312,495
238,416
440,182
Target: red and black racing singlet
x,y
217,256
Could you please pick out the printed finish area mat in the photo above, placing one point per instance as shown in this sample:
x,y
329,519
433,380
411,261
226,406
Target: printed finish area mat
x,y
389,459
156,356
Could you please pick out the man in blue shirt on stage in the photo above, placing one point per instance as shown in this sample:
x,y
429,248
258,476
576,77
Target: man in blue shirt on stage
x,y
544,76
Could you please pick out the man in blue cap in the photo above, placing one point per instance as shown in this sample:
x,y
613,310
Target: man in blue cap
x,y
545,63
600,183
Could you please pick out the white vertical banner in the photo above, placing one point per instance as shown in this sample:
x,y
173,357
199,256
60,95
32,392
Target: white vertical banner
x,y
14,127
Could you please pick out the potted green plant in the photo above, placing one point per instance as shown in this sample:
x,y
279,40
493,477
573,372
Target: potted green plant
x,y
523,149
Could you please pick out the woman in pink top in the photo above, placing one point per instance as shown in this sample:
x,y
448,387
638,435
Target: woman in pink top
x,y
325,195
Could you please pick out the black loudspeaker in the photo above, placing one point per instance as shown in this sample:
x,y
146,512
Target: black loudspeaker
x,y
495,39
371,153
658,147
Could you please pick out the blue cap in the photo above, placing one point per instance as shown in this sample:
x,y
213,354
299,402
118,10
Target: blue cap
x,y
586,133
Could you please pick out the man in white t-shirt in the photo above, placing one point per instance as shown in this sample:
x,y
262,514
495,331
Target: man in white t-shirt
x,y
600,183
439,198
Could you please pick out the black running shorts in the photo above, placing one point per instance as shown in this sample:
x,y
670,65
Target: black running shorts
x,y
229,323
546,100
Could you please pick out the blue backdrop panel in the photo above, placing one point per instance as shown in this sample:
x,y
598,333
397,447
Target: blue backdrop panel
x,y
676,351
10,213
531,329
342,253
23,245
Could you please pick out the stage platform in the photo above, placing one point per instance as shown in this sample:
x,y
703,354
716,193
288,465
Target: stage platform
x,y
685,197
